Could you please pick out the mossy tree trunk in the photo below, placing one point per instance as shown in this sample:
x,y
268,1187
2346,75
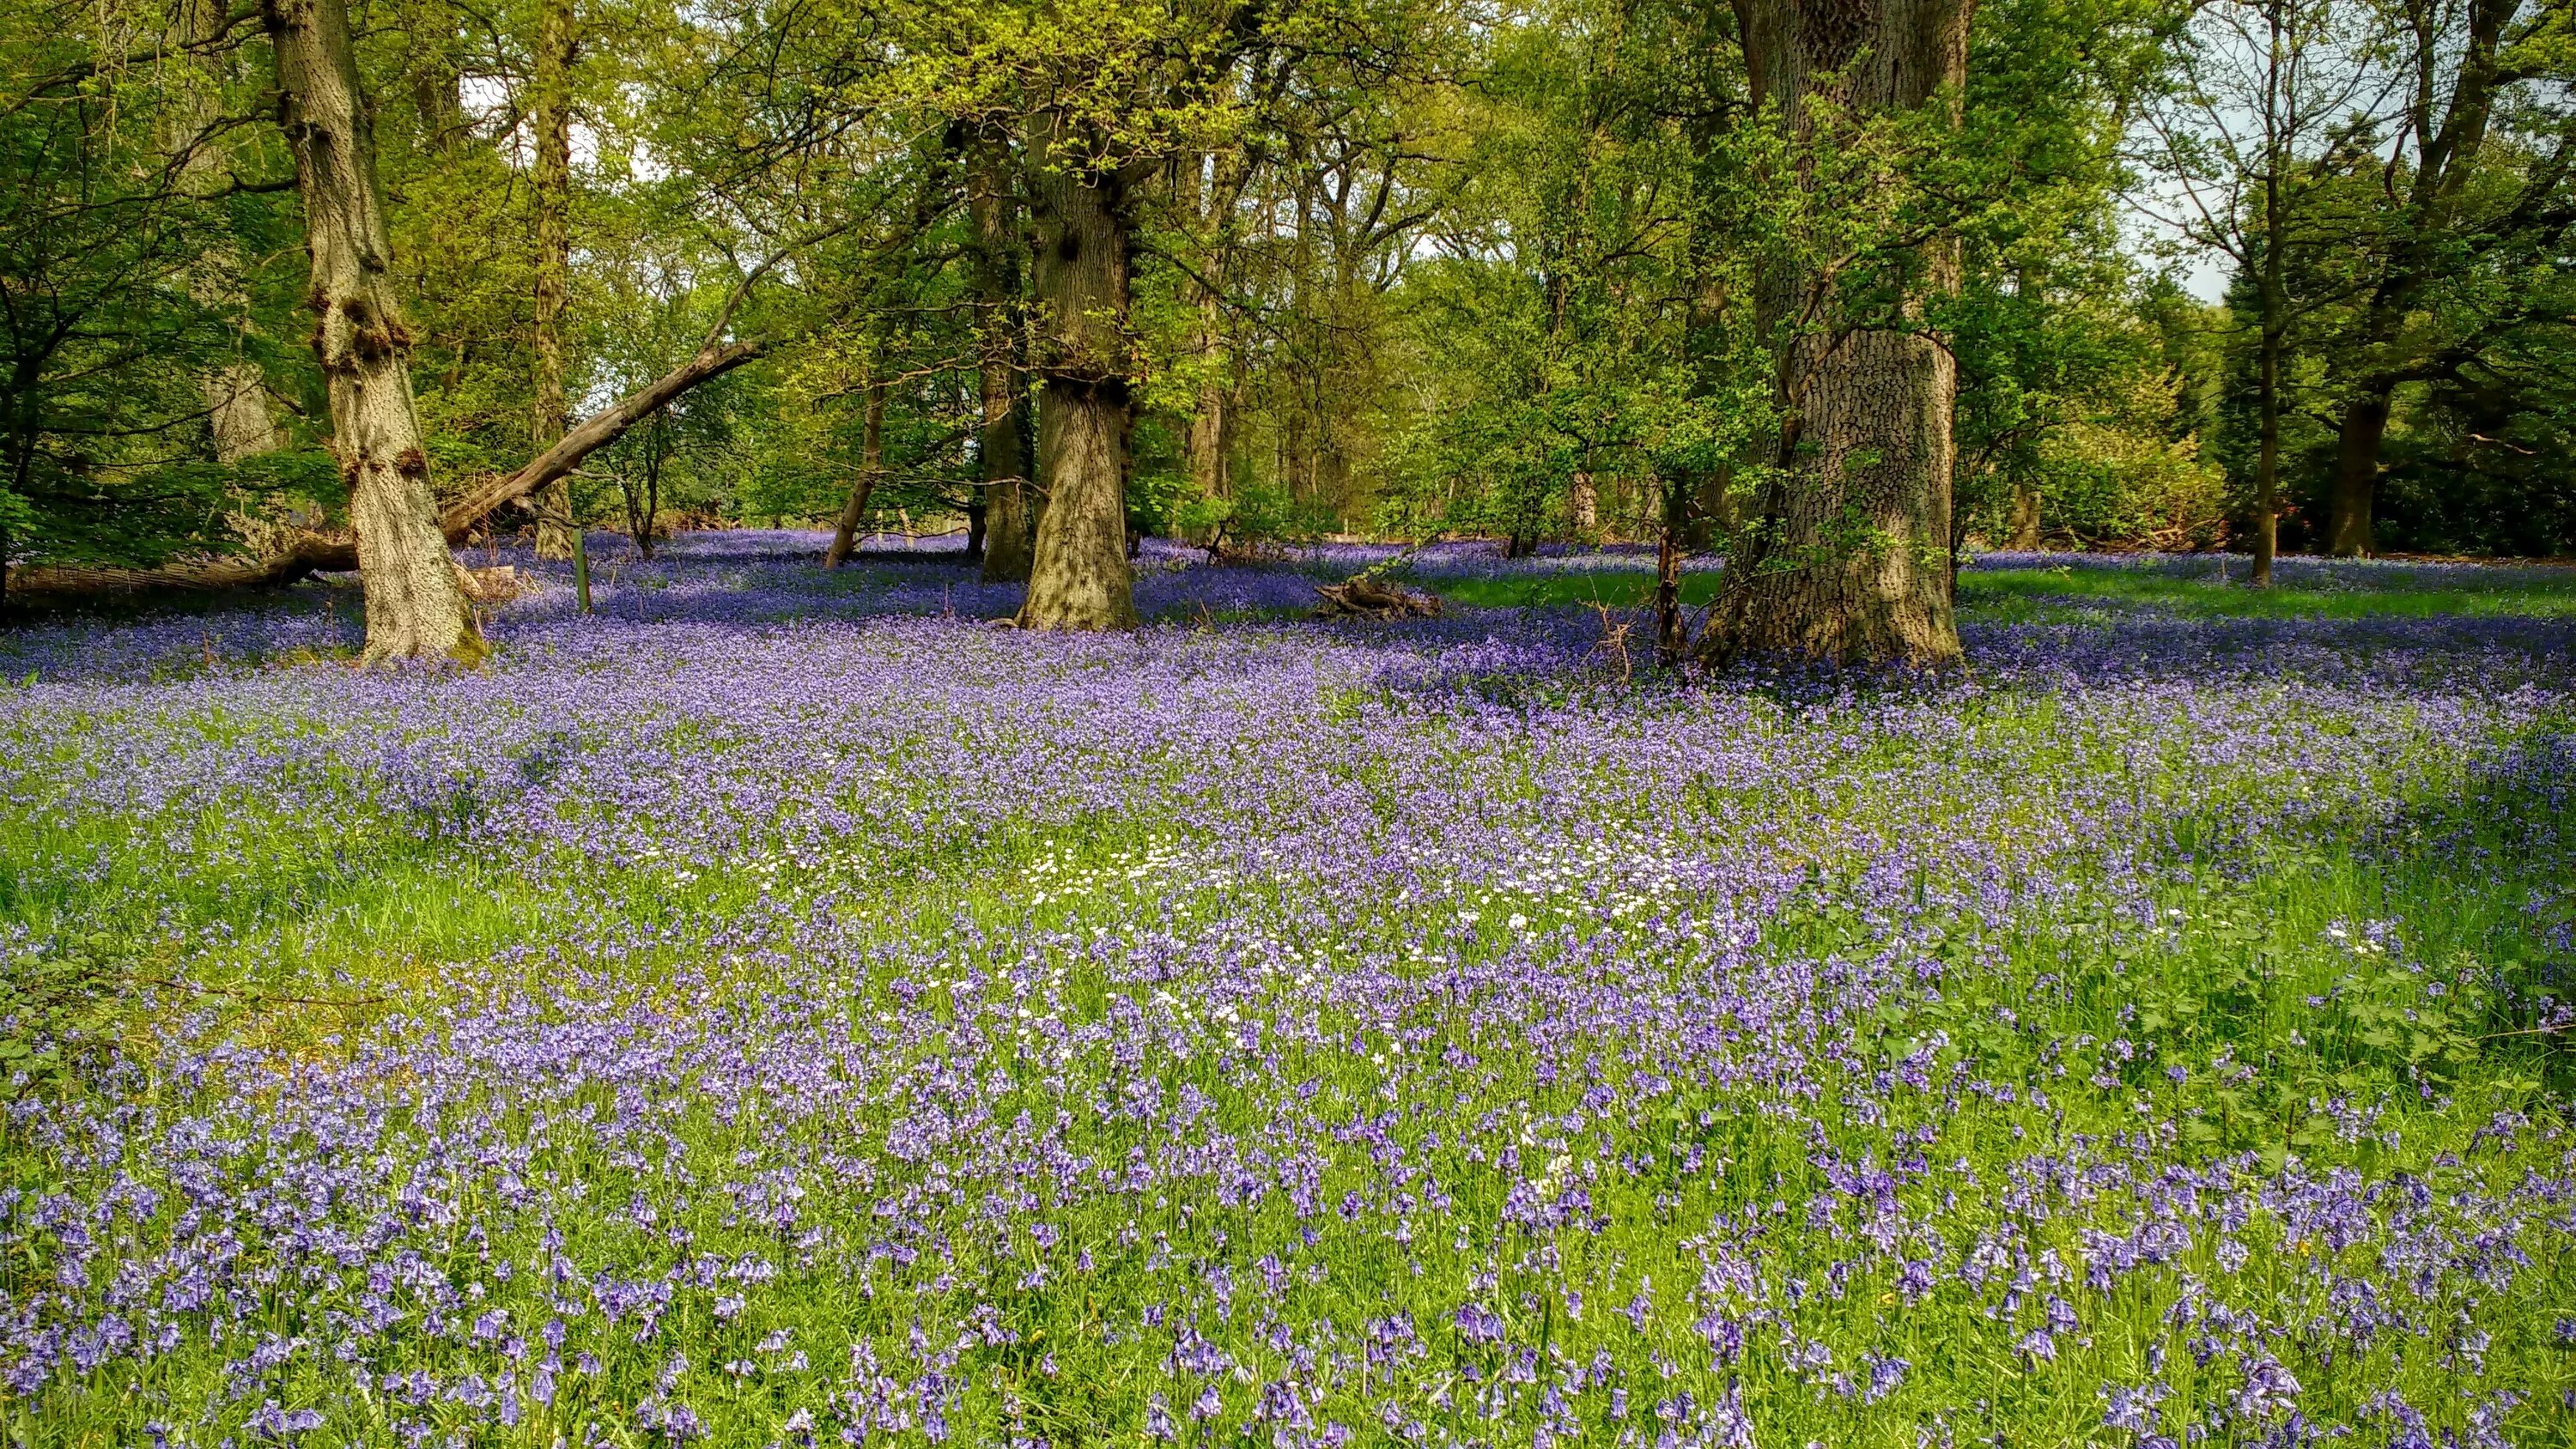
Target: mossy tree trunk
x,y
1084,358
1846,557
415,602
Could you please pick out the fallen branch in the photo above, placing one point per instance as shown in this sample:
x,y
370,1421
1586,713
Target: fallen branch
x,y
1362,597
312,553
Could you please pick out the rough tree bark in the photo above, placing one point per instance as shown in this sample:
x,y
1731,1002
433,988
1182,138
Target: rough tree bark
x,y
2363,427
415,603
1084,358
550,182
993,271
854,512
1846,557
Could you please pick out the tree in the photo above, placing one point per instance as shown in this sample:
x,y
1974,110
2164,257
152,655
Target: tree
x,y
997,265
1844,557
416,606
2450,218
2266,89
550,187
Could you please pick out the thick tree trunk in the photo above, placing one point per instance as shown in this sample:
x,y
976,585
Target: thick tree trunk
x,y
415,602
550,182
854,513
2356,480
1846,557
993,270
1583,503
1079,576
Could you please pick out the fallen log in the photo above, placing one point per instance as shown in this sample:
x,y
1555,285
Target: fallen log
x,y
1367,598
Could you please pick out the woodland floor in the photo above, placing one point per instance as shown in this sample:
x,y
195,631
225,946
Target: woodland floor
x,y
785,1008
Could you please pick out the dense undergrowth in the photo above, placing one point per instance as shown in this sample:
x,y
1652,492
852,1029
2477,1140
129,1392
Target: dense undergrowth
x,y
788,1010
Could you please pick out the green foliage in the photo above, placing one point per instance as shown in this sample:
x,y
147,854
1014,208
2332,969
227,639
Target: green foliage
x,y
143,516
54,996
135,275
1398,266
1255,515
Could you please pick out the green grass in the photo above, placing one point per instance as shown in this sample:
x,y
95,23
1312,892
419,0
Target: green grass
x,y
2069,593
275,920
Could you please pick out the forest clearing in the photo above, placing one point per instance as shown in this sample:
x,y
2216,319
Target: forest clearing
x,y
783,1007
1055,723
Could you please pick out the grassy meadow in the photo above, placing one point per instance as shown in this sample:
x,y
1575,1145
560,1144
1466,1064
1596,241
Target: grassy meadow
x,y
785,1009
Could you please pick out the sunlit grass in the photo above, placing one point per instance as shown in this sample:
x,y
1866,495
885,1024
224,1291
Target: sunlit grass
x,y
2091,591
1318,1008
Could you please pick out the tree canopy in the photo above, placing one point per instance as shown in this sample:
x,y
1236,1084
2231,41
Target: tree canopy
x,y
1837,290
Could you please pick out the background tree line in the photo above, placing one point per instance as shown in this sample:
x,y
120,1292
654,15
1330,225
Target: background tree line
x,y
1841,286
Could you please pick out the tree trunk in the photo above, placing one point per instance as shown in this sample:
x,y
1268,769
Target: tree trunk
x,y
2270,339
1670,637
2448,157
2356,480
1079,577
1846,557
854,513
2025,518
1583,503
642,506
993,271
1711,513
2267,460
1211,435
437,74
550,182
1210,440
416,605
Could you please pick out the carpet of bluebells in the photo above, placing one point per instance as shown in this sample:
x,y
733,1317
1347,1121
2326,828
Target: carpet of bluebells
x,y
788,1009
